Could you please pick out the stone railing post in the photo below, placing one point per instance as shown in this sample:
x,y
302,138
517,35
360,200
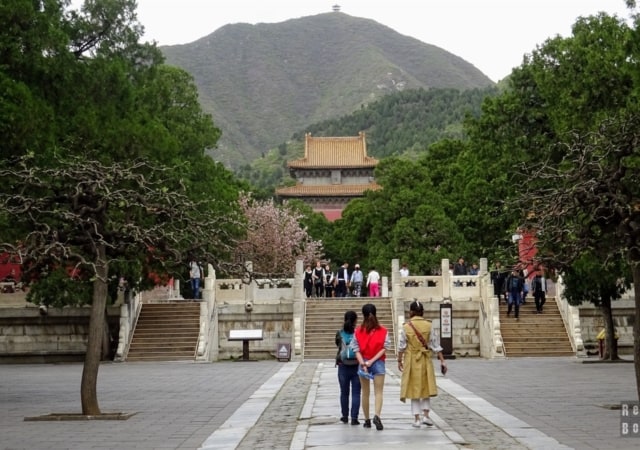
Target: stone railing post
x,y
207,326
298,309
446,279
250,286
571,317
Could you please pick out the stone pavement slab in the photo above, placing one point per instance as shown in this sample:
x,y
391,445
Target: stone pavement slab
x,y
321,427
177,405
519,403
561,397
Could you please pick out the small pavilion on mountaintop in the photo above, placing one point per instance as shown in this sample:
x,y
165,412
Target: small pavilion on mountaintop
x,y
333,171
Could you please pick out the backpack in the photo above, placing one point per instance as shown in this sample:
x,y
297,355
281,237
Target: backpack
x,y
346,354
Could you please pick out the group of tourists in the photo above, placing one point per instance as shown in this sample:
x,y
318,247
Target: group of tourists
x,y
361,362
514,287
322,282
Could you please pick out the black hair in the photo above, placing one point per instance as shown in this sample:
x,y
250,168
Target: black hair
x,y
370,321
350,319
416,308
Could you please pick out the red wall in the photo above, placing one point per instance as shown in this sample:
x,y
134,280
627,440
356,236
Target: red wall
x,y
9,262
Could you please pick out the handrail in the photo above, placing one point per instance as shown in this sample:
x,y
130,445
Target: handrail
x,y
571,318
129,313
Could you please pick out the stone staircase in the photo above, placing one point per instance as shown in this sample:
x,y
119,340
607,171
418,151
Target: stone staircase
x,y
535,334
326,316
166,331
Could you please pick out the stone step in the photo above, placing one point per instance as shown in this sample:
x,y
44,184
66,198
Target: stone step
x,y
161,357
531,321
173,347
526,334
166,331
163,333
534,353
178,326
535,339
534,334
325,316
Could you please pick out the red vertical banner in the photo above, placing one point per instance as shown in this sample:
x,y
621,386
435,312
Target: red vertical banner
x,y
527,250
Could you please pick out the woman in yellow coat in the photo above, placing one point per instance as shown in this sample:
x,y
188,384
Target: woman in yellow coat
x,y
416,346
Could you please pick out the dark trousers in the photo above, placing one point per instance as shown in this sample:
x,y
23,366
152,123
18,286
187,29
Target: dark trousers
x,y
540,299
349,385
328,290
514,299
319,288
341,289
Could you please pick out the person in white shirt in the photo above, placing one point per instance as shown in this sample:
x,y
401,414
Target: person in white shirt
x,y
373,283
194,276
404,271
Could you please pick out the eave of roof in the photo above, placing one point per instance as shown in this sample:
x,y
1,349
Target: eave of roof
x,y
333,190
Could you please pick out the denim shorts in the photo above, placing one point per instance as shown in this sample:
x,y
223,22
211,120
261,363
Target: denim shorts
x,y
377,368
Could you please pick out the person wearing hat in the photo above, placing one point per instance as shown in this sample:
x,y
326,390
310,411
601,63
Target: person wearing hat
x,y
370,345
357,277
416,344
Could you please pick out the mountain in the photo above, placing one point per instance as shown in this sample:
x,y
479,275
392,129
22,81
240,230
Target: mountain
x,y
264,82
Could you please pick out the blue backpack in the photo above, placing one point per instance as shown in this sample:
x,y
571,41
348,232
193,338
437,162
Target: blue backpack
x,y
347,355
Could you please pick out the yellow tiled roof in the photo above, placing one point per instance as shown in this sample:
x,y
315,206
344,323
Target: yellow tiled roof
x,y
330,190
334,152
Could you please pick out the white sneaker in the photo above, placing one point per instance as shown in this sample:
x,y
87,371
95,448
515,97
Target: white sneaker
x,y
416,424
427,421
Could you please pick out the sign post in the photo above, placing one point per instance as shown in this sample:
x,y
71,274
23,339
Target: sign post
x,y
446,330
284,352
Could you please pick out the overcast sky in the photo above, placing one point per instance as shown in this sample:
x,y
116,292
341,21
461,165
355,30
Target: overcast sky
x,y
493,35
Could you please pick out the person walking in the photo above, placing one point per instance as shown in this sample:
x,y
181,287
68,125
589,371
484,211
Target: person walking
x,y
497,278
357,277
318,280
416,344
370,345
194,276
515,285
347,363
539,288
373,283
329,281
342,280
308,281
404,271
459,268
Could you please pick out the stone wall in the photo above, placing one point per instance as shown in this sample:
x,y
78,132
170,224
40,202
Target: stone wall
x,y
591,323
26,336
466,339
275,319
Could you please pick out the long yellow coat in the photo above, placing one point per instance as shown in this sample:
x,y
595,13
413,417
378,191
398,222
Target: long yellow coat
x,y
418,377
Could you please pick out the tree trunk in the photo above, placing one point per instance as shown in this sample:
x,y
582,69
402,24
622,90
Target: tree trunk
x,y
88,387
611,350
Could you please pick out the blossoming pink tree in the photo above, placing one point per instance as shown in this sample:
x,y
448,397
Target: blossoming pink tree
x,y
275,239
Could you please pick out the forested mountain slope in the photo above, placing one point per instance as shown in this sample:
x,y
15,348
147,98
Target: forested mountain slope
x,y
404,123
264,82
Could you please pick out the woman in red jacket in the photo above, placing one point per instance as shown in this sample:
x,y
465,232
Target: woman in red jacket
x,y
370,344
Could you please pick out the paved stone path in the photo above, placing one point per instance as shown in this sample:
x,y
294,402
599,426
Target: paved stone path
x,y
535,403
